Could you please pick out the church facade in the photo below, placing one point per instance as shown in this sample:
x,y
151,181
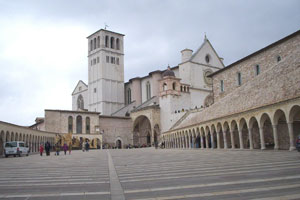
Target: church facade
x,y
138,111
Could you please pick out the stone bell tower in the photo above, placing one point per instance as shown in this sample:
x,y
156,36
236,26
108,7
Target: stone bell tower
x,y
106,71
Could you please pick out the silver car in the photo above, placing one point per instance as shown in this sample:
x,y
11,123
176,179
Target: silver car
x,y
15,148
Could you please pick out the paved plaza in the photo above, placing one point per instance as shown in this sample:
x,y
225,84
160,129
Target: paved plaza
x,y
148,174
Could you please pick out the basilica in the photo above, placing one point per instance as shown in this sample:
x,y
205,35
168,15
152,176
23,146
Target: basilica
x,y
254,103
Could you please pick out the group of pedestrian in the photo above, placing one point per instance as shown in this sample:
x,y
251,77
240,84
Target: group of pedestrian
x,y
47,149
56,148
85,146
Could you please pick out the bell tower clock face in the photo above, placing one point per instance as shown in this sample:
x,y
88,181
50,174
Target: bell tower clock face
x,y
207,79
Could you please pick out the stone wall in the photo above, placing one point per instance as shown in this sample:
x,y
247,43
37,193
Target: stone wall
x,y
277,81
113,128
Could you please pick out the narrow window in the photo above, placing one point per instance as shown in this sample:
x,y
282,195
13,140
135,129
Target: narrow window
x,y
164,87
107,59
79,124
112,42
174,86
91,45
129,95
278,58
118,61
181,88
95,43
80,102
148,90
222,86
70,124
98,41
239,78
257,69
87,125
112,60
106,41
95,90
118,44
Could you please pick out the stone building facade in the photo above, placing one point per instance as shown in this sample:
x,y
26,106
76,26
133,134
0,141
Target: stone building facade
x,y
256,103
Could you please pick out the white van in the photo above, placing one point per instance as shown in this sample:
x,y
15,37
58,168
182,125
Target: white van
x,y
15,148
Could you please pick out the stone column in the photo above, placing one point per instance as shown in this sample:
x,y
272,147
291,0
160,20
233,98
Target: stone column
x,y
250,138
262,138
212,141
206,140
202,143
275,135
180,143
218,140
241,139
175,139
232,140
187,142
225,140
193,141
291,135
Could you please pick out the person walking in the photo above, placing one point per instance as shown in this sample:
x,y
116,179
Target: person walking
x,y
87,146
41,149
57,149
83,146
47,148
65,148
70,148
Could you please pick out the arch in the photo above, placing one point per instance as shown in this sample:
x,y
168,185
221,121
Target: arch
x,y
243,129
227,134
254,129
70,124
118,44
112,42
87,125
266,132
294,121
106,41
119,143
78,124
80,102
141,131
214,136
235,139
282,131
12,136
220,135
16,137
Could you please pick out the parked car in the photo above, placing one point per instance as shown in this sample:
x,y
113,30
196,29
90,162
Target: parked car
x,y
15,148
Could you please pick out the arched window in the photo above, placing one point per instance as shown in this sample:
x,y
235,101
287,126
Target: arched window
x,y
112,42
181,89
148,90
95,43
129,96
174,86
98,42
87,125
80,102
91,45
78,124
106,41
164,87
118,44
70,124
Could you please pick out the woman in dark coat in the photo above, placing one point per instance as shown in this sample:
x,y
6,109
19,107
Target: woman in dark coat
x,y
47,148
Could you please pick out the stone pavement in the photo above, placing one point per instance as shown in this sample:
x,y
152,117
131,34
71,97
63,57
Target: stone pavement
x,y
153,174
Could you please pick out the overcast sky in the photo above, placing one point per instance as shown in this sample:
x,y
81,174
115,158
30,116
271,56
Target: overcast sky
x,y
43,45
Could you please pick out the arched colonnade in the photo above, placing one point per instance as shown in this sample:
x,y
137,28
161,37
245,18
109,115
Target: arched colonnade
x,y
273,127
